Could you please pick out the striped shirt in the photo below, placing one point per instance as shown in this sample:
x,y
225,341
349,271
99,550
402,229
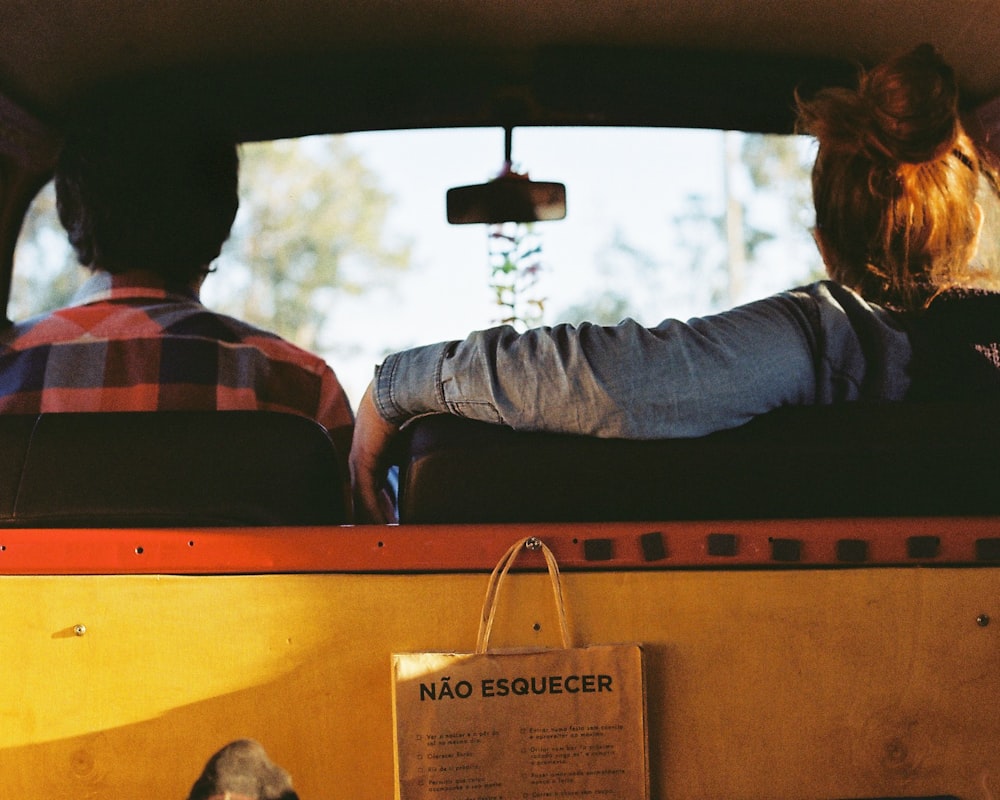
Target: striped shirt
x,y
128,343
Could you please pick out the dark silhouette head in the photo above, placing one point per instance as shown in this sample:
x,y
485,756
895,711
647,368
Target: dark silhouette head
x,y
147,192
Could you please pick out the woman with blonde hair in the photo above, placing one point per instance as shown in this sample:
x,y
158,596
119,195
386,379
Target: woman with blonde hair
x,y
895,182
907,312
896,187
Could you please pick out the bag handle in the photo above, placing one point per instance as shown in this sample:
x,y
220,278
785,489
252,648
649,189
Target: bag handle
x,y
496,581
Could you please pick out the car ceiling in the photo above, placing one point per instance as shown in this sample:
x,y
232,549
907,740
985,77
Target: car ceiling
x,y
273,68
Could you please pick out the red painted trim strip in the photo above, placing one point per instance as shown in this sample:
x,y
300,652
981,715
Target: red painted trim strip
x,y
444,548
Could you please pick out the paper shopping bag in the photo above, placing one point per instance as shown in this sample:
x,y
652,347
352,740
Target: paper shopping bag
x,y
521,724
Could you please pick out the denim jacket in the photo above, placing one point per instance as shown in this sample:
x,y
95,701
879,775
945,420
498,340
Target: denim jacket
x,y
818,344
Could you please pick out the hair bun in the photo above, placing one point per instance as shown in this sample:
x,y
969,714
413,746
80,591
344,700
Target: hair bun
x,y
913,101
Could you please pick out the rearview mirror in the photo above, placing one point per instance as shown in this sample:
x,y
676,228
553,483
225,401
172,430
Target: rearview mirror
x,y
509,197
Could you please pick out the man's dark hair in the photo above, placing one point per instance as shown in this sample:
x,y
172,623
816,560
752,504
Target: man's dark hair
x,y
161,197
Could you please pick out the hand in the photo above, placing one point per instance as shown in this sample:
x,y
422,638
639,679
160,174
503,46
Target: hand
x,y
372,436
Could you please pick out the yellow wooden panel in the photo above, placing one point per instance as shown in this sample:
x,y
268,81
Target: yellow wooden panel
x,y
782,684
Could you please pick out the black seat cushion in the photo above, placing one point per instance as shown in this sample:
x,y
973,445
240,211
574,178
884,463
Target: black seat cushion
x,y
181,468
832,461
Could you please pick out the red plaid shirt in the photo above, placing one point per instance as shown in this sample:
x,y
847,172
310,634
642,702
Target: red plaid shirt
x,y
129,344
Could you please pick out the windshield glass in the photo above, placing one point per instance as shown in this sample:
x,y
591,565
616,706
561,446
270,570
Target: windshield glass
x,y
342,243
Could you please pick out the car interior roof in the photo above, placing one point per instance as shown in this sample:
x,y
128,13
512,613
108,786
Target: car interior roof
x,y
276,68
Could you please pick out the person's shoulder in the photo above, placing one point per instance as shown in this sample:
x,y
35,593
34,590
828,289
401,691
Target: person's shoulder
x,y
42,328
824,291
829,295
272,344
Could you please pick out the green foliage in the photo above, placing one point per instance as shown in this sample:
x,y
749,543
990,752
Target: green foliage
x,y
621,264
45,270
606,308
781,162
310,222
716,249
701,254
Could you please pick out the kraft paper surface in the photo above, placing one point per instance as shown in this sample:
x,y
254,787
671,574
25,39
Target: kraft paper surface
x,y
521,725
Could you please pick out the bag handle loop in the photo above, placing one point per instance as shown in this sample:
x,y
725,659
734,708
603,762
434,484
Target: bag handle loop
x,y
496,581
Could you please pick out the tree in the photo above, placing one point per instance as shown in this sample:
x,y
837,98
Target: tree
x,y
768,202
718,250
622,265
45,270
782,164
310,223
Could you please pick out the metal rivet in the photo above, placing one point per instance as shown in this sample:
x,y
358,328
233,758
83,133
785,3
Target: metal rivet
x,y
79,630
534,543
983,620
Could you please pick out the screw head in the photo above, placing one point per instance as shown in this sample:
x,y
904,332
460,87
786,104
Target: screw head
x,y
983,620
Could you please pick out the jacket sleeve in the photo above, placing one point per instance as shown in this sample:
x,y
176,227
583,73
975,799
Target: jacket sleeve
x,y
677,379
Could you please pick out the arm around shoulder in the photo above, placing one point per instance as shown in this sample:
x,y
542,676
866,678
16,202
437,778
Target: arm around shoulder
x,y
372,437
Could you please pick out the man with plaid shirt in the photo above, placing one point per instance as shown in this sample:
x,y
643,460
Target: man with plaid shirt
x,y
147,210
